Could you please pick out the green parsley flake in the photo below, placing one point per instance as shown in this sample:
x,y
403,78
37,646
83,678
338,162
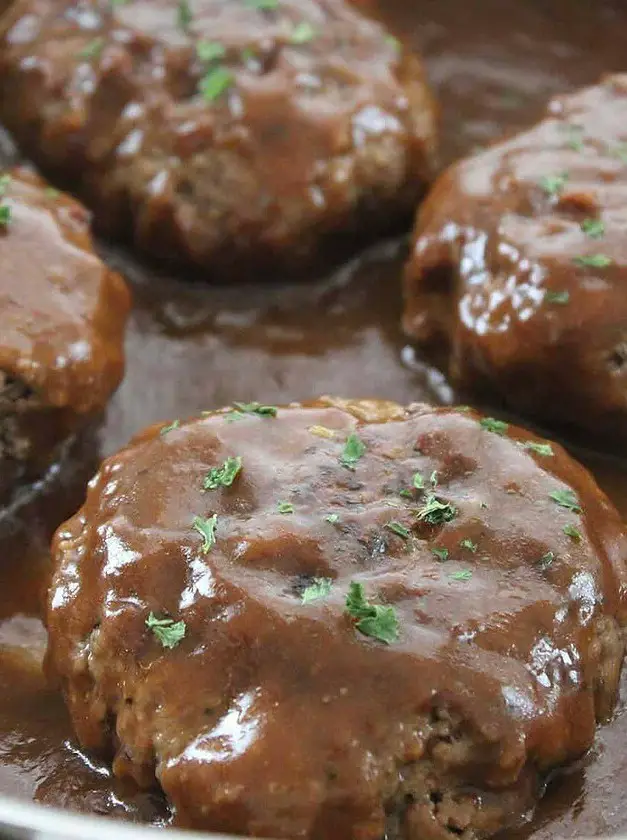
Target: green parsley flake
x,y
209,51
593,261
223,476
492,425
440,553
464,574
167,631
52,192
216,82
373,620
184,15
566,499
594,228
398,529
620,152
5,210
393,42
333,518
435,512
170,427
302,33
319,588
554,184
418,481
561,297
575,137
354,450
405,493
573,533
285,507
240,408
93,48
207,530
263,5
469,544
539,448
547,560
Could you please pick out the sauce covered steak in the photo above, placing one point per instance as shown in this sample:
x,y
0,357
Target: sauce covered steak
x,y
344,620
519,265
62,316
232,135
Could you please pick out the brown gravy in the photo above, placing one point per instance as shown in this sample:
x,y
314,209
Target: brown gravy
x,y
493,64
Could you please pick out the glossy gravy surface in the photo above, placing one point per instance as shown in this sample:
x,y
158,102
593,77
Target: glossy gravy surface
x,y
493,63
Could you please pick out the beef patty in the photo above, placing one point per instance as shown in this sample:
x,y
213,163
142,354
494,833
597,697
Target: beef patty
x,y
344,620
62,315
233,135
519,264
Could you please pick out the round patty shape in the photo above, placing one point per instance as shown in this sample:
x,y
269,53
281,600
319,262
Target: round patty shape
x,y
232,134
344,620
62,315
519,265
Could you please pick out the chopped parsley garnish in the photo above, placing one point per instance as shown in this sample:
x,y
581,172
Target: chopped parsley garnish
x,y
418,481
492,425
594,228
393,42
620,152
320,588
223,476
373,620
553,296
167,631
566,499
322,431
399,529
539,448
469,544
464,574
263,5
405,493
440,553
240,408
207,530
554,184
354,450
435,512
209,51
215,82
575,137
573,533
52,192
594,261
170,427
302,33
333,518
547,560
184,15
462,409
5,210
93,48
285,507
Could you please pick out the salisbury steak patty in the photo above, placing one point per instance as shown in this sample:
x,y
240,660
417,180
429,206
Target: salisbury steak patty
x,y
519,265
348,620
223,132
62,318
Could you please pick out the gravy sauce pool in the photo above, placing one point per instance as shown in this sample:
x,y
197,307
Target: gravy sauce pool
x,y
493,64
